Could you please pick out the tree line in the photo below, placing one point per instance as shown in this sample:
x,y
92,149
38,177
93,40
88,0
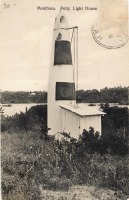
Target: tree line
x,y
112,95
24,97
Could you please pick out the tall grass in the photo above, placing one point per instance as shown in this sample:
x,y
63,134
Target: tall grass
x,y
28,162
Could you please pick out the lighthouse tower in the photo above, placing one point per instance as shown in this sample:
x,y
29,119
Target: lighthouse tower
x,y
61,86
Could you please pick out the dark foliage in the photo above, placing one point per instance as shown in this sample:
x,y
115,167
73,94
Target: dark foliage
x,y
118,116
112,95
116,121
91,142
35,118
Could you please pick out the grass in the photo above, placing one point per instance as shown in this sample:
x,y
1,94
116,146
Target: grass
x,y
29,163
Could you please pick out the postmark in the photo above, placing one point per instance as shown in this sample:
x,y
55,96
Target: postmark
x,y
108,40
111,28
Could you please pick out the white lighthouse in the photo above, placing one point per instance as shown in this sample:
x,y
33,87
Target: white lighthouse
x,y
64,117
61,86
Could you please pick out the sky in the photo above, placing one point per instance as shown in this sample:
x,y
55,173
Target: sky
x,y
26,40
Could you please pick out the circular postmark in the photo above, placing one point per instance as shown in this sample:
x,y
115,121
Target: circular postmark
x,y
109,41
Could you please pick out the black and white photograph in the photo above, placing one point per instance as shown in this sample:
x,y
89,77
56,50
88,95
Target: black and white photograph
x,y
64,99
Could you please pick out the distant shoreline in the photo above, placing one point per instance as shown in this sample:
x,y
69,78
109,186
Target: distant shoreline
x,y
118,95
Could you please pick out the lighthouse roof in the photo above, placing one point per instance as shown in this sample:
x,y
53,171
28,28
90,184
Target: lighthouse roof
x,y
83,110
61,21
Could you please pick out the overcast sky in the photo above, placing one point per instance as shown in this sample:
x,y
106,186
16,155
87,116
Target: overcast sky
x,y
26,40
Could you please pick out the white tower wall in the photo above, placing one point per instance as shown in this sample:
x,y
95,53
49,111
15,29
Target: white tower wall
x,y
61,87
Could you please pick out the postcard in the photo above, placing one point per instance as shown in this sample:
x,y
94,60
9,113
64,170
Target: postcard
x,y
64,92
